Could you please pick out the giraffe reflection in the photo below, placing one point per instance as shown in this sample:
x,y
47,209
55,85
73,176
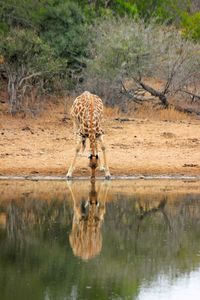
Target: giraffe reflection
x,y
86,237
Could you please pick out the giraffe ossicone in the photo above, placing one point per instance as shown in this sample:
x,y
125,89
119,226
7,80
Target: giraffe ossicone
x,y
86,112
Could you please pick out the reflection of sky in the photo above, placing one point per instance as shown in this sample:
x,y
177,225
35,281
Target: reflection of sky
x,y
184,288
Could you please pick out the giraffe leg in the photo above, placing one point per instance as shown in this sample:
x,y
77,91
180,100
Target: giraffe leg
x,y
101,167
103,148
83,145
78,148
76,126
83,153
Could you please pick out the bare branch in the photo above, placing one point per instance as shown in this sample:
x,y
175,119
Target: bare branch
x,y
29,77
153,92
191,94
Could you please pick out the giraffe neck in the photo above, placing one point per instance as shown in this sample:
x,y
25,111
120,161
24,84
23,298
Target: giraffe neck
x,y
92,133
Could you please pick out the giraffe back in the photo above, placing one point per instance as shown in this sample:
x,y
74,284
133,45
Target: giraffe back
x,y
87,110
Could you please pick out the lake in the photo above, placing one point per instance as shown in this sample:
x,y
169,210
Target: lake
x,y
134,239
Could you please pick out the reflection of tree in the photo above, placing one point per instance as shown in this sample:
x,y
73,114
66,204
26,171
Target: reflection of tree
x,y
147,211
86,237
159,208
2,220
15,224
25,215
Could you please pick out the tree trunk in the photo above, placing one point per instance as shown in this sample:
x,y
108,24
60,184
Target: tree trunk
x,y
12,92
155,93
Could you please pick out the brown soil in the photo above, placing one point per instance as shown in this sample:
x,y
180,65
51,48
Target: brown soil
x,y
45,145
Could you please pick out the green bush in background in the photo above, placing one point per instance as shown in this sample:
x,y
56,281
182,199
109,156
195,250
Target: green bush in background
x,y
191,26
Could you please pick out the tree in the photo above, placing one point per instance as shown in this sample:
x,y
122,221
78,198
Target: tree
x,y
21,13
63,28
125,50
60,24
26,59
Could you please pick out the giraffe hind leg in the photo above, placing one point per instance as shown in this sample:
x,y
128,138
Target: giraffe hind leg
x,y
83,147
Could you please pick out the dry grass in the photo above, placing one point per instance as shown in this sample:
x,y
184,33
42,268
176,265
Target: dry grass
x,y
61,107
147,111
169,114
112,112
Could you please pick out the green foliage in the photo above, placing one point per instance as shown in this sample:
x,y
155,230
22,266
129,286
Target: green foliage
x,y
27,61
62,27
95,9
24,49
60,24
167,11
3,28
191,26
125,7
172,12
19,13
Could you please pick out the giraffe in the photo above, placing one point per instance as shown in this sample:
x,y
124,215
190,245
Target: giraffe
x,y
88,216
87,115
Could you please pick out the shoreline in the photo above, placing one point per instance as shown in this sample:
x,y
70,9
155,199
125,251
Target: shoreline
x,y
87,178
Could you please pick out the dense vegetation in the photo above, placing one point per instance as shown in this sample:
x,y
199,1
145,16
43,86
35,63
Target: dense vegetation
x,y
51,46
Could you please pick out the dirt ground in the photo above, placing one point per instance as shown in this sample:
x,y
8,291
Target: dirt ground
x,y
45,145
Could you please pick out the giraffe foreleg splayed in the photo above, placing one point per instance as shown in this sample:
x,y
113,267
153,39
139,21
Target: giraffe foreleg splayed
x,y
72,167
101,167
103,148
83,144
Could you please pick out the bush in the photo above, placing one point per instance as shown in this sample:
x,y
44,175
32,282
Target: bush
x,y
63,28
60,24
125,50
191,26
20,13
27,62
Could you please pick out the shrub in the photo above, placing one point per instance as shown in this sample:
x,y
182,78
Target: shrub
x,y
27,61
191,26
63,28
124,50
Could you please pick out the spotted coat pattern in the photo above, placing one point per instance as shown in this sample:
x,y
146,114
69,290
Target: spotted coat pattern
x,y
87,112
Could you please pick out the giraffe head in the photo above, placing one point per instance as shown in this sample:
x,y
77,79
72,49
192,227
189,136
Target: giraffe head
x,y
93,163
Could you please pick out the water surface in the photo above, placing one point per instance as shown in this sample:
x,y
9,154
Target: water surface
x,y
132,240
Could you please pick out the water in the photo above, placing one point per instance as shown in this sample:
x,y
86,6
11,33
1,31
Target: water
x,y
133,240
